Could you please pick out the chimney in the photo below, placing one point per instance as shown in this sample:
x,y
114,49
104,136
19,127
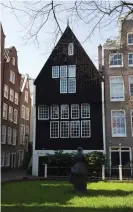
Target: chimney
x,y
100,58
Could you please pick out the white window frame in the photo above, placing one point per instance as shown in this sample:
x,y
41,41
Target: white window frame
x,y
6,91
16,98
27,131
23,111
61,122
70,74
70,90
41,112
127,38
82,128
130,65
14,139
2,156
3,132
61,111
12,77
11,97
10,114
71,122
15,118
71,51
110,85
20,157
5,111
51,128
9,135
131,113
111,66
129,79
22,134
112,124
73,105
51,114
7,155
65,82
26,96
27,85
27,113
84,105
56,70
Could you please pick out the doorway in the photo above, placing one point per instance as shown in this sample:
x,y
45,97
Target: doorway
x,y
13,160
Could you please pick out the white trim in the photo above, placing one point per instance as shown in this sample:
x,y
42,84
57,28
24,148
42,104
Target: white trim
x,y
131,76
130,44
58,128
12,72
82,110
130,65
8,159
38,113
51,111
6,87
103,118
5,105
24,82
61,111
3,134
119,136
89,128
53,71
115,66
10,113
11,92
26,96
72,46
15,121
78,111
68,128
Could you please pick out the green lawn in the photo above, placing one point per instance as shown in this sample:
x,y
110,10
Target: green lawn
x,y
59,196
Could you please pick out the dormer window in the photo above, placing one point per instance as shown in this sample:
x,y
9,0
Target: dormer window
x,y
70,49
130,38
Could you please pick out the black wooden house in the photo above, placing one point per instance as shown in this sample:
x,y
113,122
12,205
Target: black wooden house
x,y
68,101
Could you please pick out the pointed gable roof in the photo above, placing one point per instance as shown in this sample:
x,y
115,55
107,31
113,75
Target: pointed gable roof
x,y
68,32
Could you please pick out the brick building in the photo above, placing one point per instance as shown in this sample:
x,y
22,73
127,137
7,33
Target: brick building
x,y
15,111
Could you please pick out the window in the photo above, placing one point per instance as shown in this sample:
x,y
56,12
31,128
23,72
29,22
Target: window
x,y
43,112
85,129
23,112
63,85
20,157
54,111
27,130
64,111
63,71
70,49
85,110
75,129
13,61
116,88
116,60
15,116
11,95
64,129
27,113
10,117
74,111
27,84
118,123
7,159
55,72
71,71
9,135
22,134
16,98
130,59
14,136
5,108
130,38
12,77
132,122
6,91
131,86
54,129
3,139
2,158
71,85
26,96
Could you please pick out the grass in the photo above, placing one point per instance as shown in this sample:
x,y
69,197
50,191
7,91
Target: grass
x,y
59,196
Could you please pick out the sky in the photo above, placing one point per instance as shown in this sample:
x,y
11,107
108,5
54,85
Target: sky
x,y
31,58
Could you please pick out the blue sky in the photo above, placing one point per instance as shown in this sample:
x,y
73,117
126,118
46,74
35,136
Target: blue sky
x,y
31,58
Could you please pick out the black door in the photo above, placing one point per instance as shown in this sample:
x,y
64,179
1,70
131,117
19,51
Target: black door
x,y
125,157
115,161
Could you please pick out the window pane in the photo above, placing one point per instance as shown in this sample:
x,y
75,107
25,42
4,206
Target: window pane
x,y
75,129
70,49
71,85
64,111
55,72
43,112
75,111
85,111
54,129
115,59
54,112
130,38
64,129
63,85
72,71
116,88
130,58
118,123
63,71
85,129
131,85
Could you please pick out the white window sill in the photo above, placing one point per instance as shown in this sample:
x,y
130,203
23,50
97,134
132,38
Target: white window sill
x,y
42,119
130,44
115,66
131,65
3,142
117,100
86,137
5,97
4,118
119,136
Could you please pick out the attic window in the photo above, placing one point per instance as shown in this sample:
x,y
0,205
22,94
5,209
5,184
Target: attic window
x,y
70,49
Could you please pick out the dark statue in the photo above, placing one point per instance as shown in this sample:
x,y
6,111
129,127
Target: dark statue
x,y
79,172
